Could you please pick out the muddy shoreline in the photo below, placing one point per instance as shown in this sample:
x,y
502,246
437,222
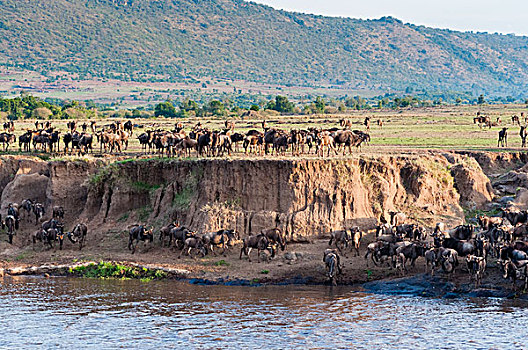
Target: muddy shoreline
x,y
300,264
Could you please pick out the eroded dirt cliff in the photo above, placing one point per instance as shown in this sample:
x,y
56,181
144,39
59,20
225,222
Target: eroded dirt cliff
x,y
306,198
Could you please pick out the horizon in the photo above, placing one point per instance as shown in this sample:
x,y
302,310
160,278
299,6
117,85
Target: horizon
x,y
465,15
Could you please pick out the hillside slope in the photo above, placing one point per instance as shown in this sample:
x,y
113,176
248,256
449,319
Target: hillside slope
x,y
181,39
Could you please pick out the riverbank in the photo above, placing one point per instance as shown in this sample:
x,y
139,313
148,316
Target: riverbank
x,y
301,263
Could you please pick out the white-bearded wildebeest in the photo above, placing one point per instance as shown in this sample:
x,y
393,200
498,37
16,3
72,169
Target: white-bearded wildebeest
x,y
179,235
356,235
515,271
259,242
503,138
165,232
476,266
78,234
193,244
58,212
139,233
333,265
27,205
221,238
38,210
12,225
275,237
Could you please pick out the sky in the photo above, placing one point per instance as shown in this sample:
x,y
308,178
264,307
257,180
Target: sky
x,y
502,16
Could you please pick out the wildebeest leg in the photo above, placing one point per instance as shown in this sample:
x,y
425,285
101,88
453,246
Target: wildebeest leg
x,y
248,253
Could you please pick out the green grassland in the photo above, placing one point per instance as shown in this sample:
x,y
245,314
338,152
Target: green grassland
x,y
421,129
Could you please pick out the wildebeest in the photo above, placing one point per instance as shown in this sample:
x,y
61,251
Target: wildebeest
x,y
431,259
356,235
139,233
10,223
38,210
179,235
397,218
165,232
259,242
193,244
462,247
523,133
340,239
448,260
275,236
515,271
461,232
510,253
503,138
515,216
27,205
78,234
221,238
58,212
476,266
333,264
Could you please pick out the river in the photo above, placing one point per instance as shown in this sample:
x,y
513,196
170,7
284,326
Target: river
x,y
108,314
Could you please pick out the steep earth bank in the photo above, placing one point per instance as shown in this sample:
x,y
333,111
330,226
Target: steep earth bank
x,y
307,198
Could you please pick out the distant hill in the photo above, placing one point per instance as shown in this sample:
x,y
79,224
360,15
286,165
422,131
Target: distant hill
x,y
198,39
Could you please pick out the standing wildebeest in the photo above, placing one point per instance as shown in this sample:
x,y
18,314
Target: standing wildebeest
x,y
222,238
38,210
523,133
165,232
27,205
78,234
515,120
58,212
356,235
476,266
333,265
367,123
25,139
397,218
138,233
275,236
7,139
340,239
259,242
515,271
448,260
503,138
11,225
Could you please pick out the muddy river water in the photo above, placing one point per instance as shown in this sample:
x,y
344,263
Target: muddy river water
x,y
108,314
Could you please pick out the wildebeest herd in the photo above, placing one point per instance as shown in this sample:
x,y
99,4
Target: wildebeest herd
x,y
199,140
400,243
206,142
49,231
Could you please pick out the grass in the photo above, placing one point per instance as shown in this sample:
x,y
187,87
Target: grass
x,y
221,263
144,213
183,198
144,187
124,217
118,271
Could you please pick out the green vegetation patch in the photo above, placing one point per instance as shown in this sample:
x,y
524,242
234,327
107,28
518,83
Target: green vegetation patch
x,y
118,271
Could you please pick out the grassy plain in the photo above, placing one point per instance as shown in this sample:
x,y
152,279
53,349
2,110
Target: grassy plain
x,y
449,128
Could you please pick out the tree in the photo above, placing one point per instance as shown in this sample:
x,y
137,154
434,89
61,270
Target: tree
x,y
165,109
41,113
281,104
216,108
255,108
481,100
320,104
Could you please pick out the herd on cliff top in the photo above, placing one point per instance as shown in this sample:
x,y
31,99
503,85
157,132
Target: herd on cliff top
x,y
113,138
